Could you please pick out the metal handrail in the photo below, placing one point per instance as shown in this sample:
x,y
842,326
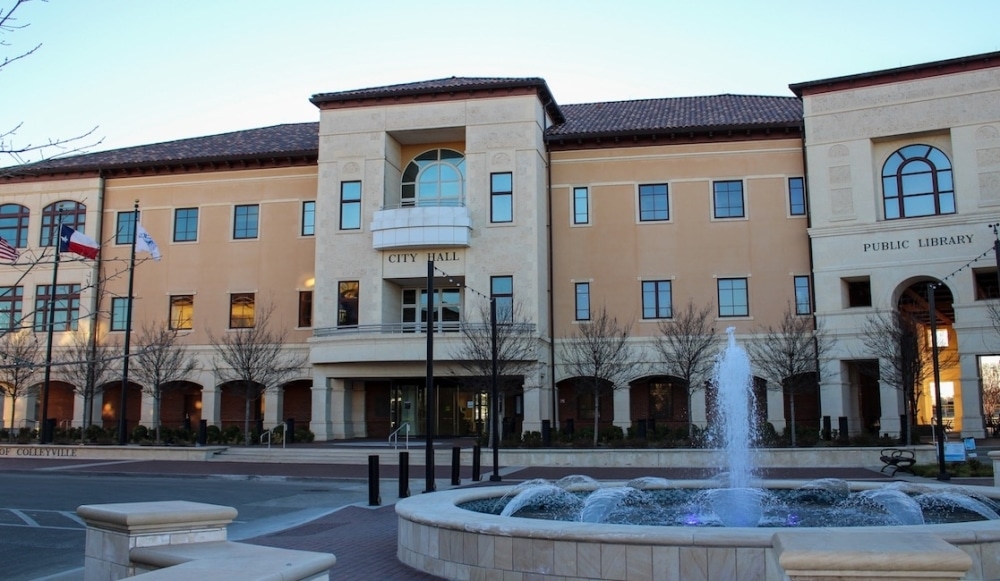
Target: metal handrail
x,y
414,328
268,434
394,436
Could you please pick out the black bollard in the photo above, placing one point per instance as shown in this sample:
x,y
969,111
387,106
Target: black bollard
x,y
546,433
202,432
404,474
290,431
373,496
842,435
476,464
456,464
827,428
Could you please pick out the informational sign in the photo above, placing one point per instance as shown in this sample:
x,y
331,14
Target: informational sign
x,y
954,451
970,447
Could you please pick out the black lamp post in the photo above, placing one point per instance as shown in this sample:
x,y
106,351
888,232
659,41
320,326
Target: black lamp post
x,y
932,307
429,452
494,396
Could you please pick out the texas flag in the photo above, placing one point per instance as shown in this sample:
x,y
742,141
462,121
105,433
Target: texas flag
x,y
77,242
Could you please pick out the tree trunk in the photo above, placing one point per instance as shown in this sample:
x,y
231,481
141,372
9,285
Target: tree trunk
x,y
13,407
156,412
246,419
597,414
791,413
689,414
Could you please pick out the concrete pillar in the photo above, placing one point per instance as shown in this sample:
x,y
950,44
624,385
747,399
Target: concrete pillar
x,y
340,408
320,423
971,401
835,391
272,408
776,409
211,405
699,407
113,530
537,400
893,406
623,408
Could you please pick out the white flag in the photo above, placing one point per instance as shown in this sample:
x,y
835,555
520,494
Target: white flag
x,y
145,243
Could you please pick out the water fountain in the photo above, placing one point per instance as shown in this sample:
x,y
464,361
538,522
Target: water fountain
x,y
733,526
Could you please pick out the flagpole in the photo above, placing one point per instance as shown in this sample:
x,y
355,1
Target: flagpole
x,y
43,436
122,420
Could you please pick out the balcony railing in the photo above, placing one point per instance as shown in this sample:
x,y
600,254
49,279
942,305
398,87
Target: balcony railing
x,y
412,328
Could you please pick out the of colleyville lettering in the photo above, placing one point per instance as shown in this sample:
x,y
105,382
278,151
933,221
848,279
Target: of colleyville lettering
x,y
48,452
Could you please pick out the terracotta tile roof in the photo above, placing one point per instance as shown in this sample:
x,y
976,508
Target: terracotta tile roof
x,y
582,121
680,114
457,86
297,139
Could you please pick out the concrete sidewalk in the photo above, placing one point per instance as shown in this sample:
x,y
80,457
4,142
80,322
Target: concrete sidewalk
x,y
363,537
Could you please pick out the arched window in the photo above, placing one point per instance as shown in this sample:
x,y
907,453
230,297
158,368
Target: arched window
x,y
434,178
66,213
14,224
917,181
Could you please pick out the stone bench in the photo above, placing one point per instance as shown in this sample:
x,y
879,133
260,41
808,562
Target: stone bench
x,y
157,541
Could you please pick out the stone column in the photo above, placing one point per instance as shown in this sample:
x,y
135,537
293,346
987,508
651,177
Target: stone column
x,y
272,408
211,404
319,423
340,408
623,409
971,397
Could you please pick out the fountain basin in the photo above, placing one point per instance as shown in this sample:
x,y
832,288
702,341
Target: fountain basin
x,y
439,537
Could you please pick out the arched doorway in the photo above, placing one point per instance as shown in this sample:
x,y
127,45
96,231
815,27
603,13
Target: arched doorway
x,y
576,405
297,402
661,402
914,365
234,399
61,402
180,405
111,404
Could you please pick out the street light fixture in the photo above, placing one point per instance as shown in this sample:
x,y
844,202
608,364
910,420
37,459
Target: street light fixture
x,y
932,307
494,396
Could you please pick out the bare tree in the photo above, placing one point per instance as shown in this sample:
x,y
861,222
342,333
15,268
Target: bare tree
x,y
516,349
89,361
788,356
22,361
159,362
905,356
991,389
602,358
686,344
10,23
254,360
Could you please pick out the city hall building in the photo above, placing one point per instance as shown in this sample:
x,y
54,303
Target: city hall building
x,y
425,204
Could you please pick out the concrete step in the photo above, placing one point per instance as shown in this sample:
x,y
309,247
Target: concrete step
x,y
332,455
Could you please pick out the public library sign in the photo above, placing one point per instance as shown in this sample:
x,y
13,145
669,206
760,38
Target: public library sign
x,y
926,242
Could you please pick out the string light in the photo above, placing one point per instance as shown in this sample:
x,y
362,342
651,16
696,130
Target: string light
x,y
451,279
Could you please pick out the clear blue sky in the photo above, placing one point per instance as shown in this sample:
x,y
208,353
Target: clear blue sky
x,y
146,71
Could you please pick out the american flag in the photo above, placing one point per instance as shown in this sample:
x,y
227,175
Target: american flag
x,y
7,252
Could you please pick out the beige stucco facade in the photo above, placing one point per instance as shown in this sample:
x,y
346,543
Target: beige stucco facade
x,y
850,133
344,232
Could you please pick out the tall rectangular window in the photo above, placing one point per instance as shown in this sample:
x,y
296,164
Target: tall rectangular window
x,y
347,303
350,205
308,218
502,291
501,197
305,309
14,224
733,297
242,311
728,199
181,312
986,283
125,227
119,313
581,206
796,197
65,305
185,224
656,299
11,306
653,203
245,221
582,301
803,296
